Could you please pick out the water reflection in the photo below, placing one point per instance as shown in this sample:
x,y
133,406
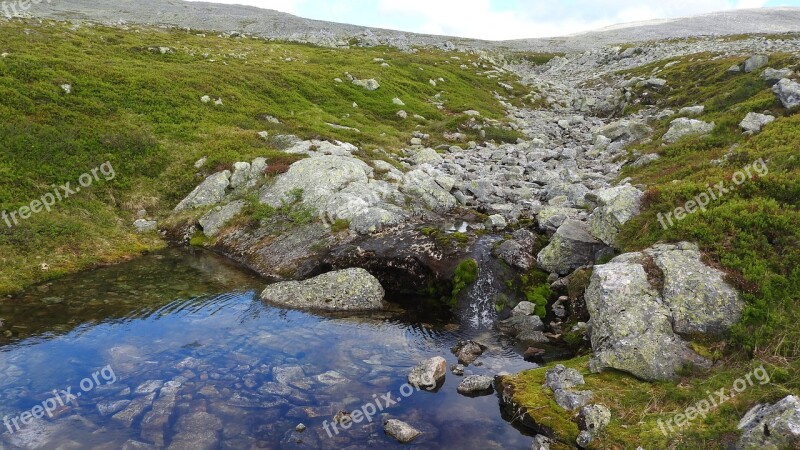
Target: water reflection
x,y
201,362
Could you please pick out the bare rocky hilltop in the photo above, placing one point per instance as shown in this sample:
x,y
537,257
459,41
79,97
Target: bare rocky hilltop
x,y
277,25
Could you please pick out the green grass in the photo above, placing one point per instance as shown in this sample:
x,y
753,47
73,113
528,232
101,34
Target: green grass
x,y
141,111
752,233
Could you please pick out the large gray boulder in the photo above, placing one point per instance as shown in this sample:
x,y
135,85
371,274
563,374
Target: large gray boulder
x,y
753,122
571,247
420,185
755,62
683,127
788,92
631,329
640,303
429,373
210,192
345,290
771,427
772,76
625,131
615,207
699,298
318,178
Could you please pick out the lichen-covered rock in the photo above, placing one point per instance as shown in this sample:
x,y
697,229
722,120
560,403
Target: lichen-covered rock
x,y
753,122
699,299
772,76
625,131
474,385
401,431
591,420
631,328
210,192
318,178
683,127
420,185
771,427
518,251
426,156
560,377
345,290
755,62
429,373
213,221
788,92
572,246
496,222
615,207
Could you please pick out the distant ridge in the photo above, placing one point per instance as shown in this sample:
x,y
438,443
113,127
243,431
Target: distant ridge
x,y
277,25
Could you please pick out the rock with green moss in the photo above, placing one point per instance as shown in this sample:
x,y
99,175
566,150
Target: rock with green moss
x,y
572,246
615,207
345,290
771,427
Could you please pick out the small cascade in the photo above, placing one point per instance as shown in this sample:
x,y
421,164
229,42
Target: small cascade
x,y
476,305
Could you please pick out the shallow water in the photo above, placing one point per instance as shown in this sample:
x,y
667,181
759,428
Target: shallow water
x,y
179,352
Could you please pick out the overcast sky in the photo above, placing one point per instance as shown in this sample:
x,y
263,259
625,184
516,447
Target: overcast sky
x,y
499,19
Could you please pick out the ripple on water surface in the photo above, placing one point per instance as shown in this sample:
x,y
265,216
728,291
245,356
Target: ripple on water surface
x,y
193,359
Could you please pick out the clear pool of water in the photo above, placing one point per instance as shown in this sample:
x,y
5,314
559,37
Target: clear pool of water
x,y
179,352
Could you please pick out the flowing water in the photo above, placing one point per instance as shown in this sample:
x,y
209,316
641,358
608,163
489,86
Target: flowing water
x,y
176,350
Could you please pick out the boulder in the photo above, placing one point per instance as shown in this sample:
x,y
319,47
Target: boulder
x,y
772,76
516,254
683,127
639,303
474,385
318,178
525,329
698,297
775,426
753,122
560,378
210,192
420,185
591,420
345,290
428,374
754,63
370,84
788,92
615,207
625,131
524,308
571,247
401,431
692,110
426,156
213,221
496,222
468,351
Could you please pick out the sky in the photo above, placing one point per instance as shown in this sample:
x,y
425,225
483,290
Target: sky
x,y
499,19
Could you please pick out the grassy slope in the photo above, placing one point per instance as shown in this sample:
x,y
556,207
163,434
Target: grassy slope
x,y
141,111
753,233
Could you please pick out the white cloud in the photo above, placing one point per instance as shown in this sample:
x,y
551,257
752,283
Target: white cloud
x,y
478,19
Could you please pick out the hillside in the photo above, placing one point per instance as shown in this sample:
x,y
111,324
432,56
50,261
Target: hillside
x,y
625,215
